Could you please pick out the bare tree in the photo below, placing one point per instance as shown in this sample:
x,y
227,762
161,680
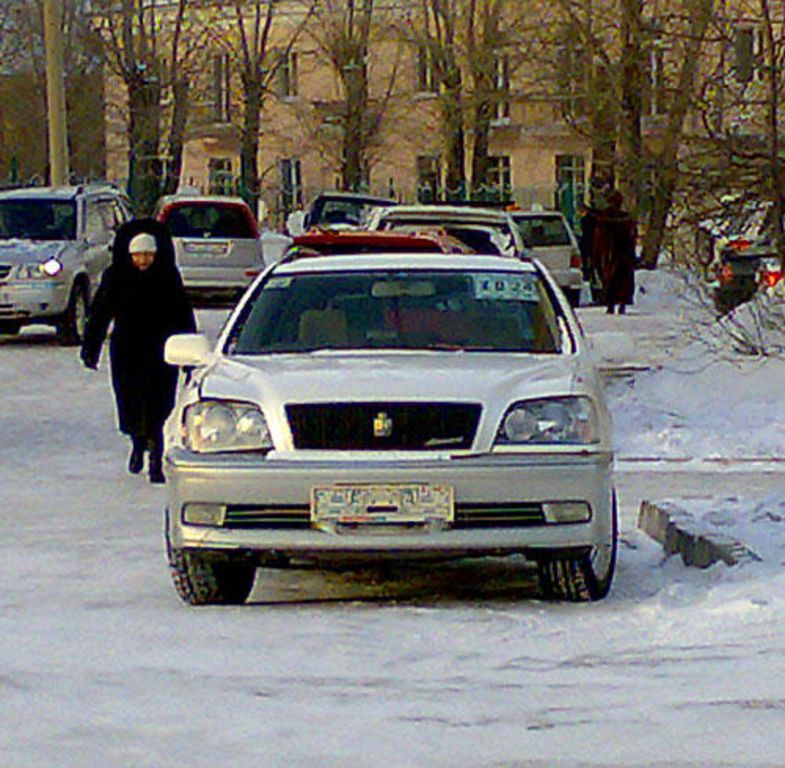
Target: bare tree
x,y
258,39
689,45
152,50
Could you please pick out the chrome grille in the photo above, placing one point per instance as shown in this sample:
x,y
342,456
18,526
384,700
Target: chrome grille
x,y
384,426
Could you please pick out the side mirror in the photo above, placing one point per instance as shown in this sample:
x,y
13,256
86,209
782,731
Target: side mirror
x,y
187,349
295,223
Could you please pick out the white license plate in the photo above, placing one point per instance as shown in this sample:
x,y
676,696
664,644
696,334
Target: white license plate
x,y
206,249
383,505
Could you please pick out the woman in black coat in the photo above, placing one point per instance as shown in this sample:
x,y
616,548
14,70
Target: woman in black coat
x,y
142,294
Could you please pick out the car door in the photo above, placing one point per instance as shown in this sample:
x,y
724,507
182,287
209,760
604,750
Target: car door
x,y
99,233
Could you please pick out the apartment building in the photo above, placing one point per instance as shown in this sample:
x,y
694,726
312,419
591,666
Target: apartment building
x,y
541,134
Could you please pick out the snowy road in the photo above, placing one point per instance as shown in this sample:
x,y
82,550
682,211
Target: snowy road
x,y
101,665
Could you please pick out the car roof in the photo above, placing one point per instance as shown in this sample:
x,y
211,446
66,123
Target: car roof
x,y
445,212
170,200
357,197
391,260
36,193
536,214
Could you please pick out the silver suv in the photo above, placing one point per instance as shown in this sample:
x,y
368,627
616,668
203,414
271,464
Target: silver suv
x,y
54,245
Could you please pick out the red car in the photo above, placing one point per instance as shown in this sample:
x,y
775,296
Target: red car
x,y
326,242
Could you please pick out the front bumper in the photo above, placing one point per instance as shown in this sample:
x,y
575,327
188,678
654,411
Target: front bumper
x,y
248,482
33,299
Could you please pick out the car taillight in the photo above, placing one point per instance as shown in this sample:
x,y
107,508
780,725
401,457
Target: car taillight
x,y
726,274
575,259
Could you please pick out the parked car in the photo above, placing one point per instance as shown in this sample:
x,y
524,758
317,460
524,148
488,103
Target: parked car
x,y
336,210
550,238
483,230
391,406
54,245
218,243
740,224
743,270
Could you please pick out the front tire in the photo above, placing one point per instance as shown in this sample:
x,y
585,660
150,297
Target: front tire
x,y
206,580
586,578
71,327
9,327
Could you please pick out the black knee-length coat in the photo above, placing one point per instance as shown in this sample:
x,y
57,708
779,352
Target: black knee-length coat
x,y
144,308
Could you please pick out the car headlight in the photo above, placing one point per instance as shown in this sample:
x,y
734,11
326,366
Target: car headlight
x,y
39,270
555,421
212,426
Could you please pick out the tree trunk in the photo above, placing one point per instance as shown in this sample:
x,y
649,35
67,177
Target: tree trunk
x,y
353,161
249,152
144,135
603,136
453,135
180,94
773,78
630,138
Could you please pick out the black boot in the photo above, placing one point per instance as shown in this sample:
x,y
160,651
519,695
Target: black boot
x,y
136,459
155,466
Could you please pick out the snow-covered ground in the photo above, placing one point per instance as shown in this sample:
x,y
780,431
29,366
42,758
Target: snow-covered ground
x,y
101,665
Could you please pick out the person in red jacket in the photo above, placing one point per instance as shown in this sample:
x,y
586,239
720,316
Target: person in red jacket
x,y
613,253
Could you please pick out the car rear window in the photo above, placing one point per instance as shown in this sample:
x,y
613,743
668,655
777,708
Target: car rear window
x,y
478,311
543,230
37,220
209,221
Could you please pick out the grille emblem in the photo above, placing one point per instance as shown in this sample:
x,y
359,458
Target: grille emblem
x,y
382,425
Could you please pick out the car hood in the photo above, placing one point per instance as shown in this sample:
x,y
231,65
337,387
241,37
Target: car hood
x,y
347,376
29,251
491,379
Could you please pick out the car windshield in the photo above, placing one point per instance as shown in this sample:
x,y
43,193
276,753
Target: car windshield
x,y
491,311
37,220
209,221
347,212
539,231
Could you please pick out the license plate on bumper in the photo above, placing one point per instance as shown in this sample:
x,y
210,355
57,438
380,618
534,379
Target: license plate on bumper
x,y
381,508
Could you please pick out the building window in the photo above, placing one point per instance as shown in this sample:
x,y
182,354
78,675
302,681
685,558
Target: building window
x,y
747,51
572,69
570,184
655,102
426,77
498,180
286,83
427,178
221,88
501,76
220,176
290,184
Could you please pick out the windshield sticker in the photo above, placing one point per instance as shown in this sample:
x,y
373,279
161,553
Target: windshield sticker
x,y
498,287
277,282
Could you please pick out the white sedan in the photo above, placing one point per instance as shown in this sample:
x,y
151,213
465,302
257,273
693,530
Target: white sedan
x,y
406,406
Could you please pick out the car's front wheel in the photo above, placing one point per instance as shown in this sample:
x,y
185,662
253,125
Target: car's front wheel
x,y
9,327
584,578
71,326
209,580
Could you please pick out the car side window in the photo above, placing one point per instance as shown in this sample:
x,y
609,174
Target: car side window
x,y
95,223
